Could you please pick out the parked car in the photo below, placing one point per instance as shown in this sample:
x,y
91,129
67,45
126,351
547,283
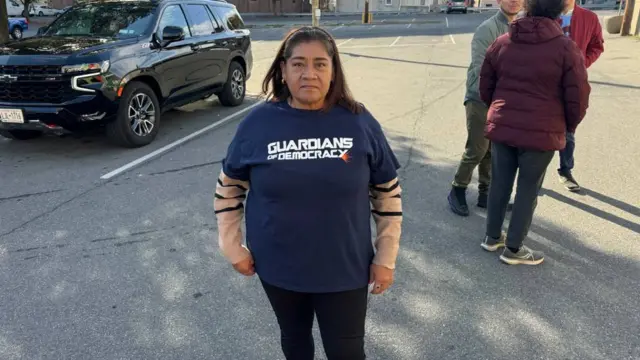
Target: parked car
x,y
17,26
119,65
457,6
43,10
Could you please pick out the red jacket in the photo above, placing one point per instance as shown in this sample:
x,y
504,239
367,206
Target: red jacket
x,y
586,31
535,83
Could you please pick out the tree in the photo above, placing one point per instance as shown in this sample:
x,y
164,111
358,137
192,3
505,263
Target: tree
x,y
26,4
4,22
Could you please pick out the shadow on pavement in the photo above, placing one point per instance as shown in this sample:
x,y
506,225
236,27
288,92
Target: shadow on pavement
x,y
452,300
624,86
143,279
635,227
402,60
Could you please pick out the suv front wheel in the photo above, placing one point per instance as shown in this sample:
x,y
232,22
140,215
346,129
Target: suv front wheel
x,y
138,117
235,89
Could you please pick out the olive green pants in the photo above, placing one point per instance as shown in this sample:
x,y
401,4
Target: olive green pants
x,y
477,150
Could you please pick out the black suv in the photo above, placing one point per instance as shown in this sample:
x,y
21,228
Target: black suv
x,y
120,65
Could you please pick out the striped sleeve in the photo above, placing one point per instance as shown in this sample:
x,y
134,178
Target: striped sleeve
x,y
386,204
228,205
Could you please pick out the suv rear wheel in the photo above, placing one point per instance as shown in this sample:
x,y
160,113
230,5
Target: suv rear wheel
x,y
138,117
235,89
21,134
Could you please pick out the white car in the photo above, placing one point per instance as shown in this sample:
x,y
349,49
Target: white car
x,y
43,10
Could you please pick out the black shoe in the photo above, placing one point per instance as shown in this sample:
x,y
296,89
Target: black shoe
x,y
569,182
482,200
524,256
458,201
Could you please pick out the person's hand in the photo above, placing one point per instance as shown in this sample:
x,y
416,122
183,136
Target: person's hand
x,y
245,267
381,277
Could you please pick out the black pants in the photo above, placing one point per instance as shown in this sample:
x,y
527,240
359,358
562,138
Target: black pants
x,y
531,167
341,319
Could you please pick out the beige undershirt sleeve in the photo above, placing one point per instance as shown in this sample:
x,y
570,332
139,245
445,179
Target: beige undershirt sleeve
x,y
228,205
387,213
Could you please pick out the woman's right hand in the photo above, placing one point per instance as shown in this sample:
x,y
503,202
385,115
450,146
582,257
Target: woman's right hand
x,y
245,267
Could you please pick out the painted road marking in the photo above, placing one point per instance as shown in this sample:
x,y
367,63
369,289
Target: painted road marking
x,y
344,42
397,39
452,39
176,143
446,20
337,28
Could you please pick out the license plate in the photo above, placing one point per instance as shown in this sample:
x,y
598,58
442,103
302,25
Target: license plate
x,y
13,116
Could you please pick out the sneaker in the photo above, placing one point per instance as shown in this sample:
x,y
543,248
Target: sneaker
x,y
458,201
491,244
524,256
482,200
569,182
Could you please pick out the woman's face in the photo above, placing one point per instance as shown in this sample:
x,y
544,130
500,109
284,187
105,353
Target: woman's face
x,y
308,74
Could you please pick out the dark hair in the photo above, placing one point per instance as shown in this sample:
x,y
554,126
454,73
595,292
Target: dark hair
x,y
545,8
338,94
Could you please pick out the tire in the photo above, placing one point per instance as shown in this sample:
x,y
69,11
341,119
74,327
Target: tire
x,y
21,134
40,13
121,131
464,11
16,33
235,88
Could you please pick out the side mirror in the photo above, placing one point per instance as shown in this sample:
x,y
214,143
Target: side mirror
x,y
172,34
42,30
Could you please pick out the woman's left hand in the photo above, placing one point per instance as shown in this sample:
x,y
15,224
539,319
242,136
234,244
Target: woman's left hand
x,y
381,277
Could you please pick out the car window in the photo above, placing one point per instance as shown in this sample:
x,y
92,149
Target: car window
x,y
104,20
200,20
229,16
173,16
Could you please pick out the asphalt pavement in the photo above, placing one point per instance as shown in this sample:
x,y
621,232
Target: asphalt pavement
x,y
126,266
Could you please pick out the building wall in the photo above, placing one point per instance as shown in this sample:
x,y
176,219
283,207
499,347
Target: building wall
x,y
59,4
374,5
272,6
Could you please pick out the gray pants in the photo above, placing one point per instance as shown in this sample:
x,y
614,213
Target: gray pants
x,y
531,167
477,152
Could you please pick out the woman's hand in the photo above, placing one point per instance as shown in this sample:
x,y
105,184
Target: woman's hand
x,y
245,266
381,277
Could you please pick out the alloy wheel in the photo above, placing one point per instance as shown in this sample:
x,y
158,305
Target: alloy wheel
x,y
142,114
237,84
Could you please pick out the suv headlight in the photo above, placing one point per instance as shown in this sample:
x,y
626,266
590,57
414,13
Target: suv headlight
x,y
100,67
90,76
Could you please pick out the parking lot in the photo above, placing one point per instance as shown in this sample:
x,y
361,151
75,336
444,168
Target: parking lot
x,y
109,253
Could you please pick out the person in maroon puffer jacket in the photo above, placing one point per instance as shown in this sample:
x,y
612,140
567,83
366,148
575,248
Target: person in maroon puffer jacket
x,y
534,80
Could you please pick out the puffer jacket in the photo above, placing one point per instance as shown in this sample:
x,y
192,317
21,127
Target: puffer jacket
x,y
534,81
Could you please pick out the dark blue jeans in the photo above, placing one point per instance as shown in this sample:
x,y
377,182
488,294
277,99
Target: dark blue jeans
x,y
566,155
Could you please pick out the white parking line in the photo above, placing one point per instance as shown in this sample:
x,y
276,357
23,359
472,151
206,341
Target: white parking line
x,y
452,39
337,28
396,40
344,42
446,20
176,143
408,26
372,26
395,46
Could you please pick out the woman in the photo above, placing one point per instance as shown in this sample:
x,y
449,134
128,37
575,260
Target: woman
x,y
315,160
535,82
